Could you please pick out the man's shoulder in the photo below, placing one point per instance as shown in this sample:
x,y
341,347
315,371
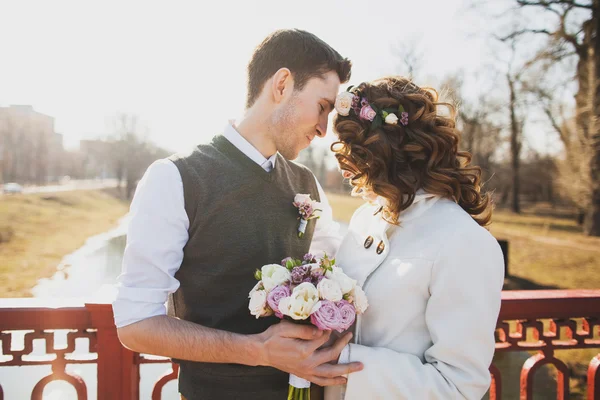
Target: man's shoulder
x,y
196,152
200,157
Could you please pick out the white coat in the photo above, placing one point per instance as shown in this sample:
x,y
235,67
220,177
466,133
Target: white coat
x,y
434,298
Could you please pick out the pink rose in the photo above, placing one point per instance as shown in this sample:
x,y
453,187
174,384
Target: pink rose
x,y
347,313
367,113
327,317
275,296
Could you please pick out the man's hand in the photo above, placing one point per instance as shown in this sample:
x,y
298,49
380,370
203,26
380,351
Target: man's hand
x,y
296,349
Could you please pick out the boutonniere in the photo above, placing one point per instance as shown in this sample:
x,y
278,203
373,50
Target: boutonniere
x,y
308,209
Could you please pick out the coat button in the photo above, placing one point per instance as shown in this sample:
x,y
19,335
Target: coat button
x,y
368,242
380,247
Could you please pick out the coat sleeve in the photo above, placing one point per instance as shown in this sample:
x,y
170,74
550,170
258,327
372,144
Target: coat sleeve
x,y
461,314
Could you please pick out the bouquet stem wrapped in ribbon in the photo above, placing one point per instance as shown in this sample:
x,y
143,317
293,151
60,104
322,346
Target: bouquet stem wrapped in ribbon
x,y
309,290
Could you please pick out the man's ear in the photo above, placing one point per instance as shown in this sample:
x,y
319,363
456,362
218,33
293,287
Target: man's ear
x,y
282,85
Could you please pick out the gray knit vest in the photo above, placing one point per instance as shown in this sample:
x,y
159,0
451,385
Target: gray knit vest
x,y
241,218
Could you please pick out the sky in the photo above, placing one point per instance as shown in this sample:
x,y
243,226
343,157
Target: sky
x,y
180,66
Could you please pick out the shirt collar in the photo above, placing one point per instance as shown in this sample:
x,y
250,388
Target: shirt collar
x,y
245,146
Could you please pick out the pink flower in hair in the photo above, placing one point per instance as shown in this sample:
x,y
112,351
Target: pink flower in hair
x,y
367,113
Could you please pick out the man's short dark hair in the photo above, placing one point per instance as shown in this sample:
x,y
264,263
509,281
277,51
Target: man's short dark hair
x,y
303,53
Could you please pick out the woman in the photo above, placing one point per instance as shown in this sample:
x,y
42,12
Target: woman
x,y
431,271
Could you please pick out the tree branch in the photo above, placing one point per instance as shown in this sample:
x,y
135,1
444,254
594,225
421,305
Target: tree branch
x,y
548,3
522,32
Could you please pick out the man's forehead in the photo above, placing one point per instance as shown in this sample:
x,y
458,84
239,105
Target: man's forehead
x,y
327,85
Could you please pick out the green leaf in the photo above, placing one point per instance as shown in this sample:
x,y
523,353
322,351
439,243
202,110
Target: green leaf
x,y
401,109
385,114
289,264
258,275
377,122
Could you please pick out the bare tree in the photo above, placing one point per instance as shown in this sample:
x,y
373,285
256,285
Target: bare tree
x,y
481,134
131,151
575,34
409,53
515,76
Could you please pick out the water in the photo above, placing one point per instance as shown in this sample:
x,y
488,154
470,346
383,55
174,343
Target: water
x,y
86,275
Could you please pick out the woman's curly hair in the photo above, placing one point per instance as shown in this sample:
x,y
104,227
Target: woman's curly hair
x,y
394,161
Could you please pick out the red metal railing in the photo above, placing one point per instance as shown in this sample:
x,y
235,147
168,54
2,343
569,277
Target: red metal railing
x,y
542,321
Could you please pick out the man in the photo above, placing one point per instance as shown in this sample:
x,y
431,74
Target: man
x,y
202,222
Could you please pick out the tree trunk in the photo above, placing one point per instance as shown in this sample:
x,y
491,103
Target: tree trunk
x,y
515,146
592,220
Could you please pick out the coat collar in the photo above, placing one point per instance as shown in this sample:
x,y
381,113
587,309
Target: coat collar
x,y
422,202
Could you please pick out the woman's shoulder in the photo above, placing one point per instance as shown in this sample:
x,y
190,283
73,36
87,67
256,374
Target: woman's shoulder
x,y
461,235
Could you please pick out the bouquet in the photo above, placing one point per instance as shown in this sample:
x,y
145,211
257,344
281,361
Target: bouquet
x,y
312,290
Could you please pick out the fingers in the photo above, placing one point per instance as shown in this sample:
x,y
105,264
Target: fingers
x,y
296,331
316,343
333,374
332,353
332,371
321,381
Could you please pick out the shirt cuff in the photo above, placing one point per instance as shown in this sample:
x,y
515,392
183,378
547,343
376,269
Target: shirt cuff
x,y
129,312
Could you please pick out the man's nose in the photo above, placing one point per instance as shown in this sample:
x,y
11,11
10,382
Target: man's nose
x,y
321,129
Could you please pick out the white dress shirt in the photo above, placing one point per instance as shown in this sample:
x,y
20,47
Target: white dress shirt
x,y
158,232
434,297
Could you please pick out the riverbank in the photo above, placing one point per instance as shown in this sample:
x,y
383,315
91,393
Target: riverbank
x,y
38,230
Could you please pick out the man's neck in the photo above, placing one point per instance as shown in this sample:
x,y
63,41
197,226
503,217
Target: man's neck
x,y
256,132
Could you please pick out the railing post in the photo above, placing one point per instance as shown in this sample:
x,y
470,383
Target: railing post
x,y
118,367
594,379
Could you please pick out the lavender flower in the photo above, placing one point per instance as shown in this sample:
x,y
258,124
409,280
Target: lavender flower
x,y
404,118
275,296
327,317
299,273
356,104
309,258
347,313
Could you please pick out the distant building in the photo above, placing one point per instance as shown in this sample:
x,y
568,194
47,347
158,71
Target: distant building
x,y
30,149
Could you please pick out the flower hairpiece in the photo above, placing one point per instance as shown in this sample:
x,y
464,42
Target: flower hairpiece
x,y
349,101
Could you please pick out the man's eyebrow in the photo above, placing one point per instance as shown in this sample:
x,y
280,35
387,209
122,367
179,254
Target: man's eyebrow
x,y
330,102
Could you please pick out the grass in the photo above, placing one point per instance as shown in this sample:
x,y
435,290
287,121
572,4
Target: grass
x,y
38,230
547,250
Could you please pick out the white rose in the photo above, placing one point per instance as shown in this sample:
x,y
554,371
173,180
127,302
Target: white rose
x,y
391,119
346,283
302,198
343,103
303,301
329,290
258,304
274,275
360,300
256,287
